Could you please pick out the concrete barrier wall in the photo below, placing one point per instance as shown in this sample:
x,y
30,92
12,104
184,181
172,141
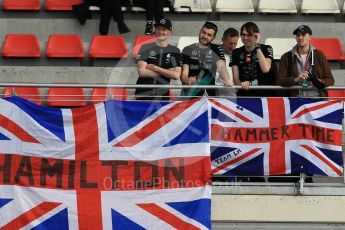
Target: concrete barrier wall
x,y
113,75
270,208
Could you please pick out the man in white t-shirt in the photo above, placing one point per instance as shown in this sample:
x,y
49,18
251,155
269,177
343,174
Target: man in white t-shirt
x,y
229,43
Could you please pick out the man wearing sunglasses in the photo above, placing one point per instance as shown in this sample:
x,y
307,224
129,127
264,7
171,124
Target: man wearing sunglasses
x,y
200,62
252,64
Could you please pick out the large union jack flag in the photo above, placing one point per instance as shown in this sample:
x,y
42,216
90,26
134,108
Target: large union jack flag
x,y
114,165
274,136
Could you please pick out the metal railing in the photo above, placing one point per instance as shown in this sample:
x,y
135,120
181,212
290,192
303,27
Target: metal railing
x,y
135,86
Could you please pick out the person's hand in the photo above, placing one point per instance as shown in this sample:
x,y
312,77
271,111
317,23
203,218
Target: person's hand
x,y
245,85
151,67
229,83
256,38
191,80
302,76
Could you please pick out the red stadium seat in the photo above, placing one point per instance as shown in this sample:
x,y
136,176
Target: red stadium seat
x,y
171,95
21,5
103,94
65,46
331,47
336,94
113,46
60,5
99,95
21,45
66,97
30,93
119,94
141,40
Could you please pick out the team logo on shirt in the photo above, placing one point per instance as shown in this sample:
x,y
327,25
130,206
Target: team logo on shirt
x,y
167,59
152,53
193,66
194,52
242,56
244,59
209,55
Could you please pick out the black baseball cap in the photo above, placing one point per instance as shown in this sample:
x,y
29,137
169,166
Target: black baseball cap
x,y
304,29
164,22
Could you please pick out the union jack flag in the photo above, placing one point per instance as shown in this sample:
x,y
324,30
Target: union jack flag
x,y
37,208
34,130
113,165
275,136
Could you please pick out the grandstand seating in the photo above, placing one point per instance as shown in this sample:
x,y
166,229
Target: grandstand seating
x,y
131,6
47,23
192,6
66,97
274,6
103,94
119,94
280,45
141,9
171,95
31,93
96,8
108,47
64,46
331,47
141,40
320,7
21,45
21,5
336,94
234,6
64,5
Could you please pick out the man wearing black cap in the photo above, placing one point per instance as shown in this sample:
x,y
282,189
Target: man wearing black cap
x,y
201,62
305,66
158,63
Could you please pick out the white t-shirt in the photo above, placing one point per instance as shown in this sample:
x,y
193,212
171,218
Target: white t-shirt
x,y
304,58
219,79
